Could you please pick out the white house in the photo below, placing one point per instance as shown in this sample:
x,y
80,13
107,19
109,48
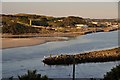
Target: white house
x,y
115,26
78,26
94,22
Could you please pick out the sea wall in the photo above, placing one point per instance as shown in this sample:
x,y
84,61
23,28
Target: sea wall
x,y
95,56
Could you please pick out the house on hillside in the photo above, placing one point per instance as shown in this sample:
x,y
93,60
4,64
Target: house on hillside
x,y
79,26
94,23
115,26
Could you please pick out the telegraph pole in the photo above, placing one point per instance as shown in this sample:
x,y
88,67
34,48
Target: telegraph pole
x,y
73,67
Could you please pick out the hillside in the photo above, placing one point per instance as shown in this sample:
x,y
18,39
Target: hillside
x,y
24,23
16,28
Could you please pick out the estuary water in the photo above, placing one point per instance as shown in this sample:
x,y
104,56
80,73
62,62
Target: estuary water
x,y
16,61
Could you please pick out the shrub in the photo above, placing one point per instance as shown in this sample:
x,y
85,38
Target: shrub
x,y
32,75
114,74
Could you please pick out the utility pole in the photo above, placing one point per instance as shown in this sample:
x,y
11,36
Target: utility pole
x,y
73,67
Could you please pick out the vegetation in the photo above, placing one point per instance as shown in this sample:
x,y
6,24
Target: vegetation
x,y
20,23
44,20
41,22
16,28
66,21
114,74
31,75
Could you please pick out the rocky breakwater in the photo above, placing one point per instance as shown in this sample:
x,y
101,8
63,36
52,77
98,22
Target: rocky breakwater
x,y
95,56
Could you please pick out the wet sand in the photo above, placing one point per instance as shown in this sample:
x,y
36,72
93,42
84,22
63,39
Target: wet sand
x,y
21,42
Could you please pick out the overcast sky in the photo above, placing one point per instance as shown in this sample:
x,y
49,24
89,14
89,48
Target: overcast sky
x,y
58,9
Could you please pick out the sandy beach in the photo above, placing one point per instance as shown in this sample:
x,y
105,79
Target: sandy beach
x,y
12,41
21,42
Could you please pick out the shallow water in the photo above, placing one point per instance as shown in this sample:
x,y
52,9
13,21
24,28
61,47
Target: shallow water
x,y
17,61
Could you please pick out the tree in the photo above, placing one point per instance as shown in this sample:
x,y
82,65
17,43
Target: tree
x,y
32,75
72,20
114,74
41,22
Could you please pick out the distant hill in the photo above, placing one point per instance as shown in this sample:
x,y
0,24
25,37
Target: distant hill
x,y
11,25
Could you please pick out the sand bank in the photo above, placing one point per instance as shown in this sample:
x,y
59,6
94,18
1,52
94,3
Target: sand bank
x,y
21,42
10,41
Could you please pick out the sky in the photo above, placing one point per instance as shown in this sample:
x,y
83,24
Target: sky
x,y
62,9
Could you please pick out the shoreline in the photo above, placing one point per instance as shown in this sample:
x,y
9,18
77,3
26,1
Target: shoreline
x,y
13,41
86,57
58,34
23,42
